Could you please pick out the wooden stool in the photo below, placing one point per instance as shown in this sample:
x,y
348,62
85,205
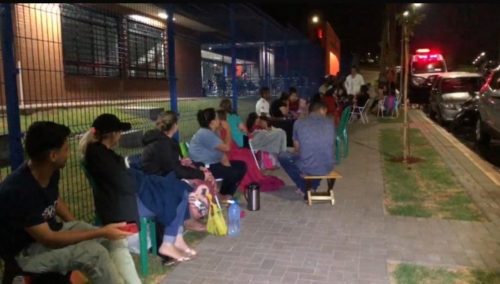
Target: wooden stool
x,y
328,195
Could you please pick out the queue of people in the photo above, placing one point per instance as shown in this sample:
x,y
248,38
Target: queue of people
x,y
156,185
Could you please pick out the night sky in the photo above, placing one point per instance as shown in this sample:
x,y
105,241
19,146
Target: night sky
x,y
459,31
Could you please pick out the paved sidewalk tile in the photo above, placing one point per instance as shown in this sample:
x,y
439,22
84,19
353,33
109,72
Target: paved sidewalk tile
x,y
351,242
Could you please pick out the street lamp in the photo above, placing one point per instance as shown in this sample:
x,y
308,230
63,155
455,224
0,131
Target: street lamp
x,y
315,19
483,53
406,14
417,5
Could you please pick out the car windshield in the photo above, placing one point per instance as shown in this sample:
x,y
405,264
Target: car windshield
x,y
464,84
419,67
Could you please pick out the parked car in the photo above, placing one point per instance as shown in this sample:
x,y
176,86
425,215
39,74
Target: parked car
x,y
488,122
449,91
467,115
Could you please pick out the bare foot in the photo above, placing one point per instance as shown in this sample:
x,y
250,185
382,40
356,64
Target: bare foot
x,y
171,251
181,245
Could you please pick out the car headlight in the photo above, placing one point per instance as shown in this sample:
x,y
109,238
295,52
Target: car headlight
x,y
450,106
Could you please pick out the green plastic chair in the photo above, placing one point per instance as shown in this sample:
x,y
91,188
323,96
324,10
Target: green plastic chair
x,y
184,149
147,225
342,139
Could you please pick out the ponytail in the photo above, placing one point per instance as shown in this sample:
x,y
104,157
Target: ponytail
x,y
87,138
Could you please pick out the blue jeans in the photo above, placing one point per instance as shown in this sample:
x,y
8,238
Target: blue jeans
x,y
289,163
171,229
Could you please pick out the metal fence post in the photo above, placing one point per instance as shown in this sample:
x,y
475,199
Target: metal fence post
x,y
172,79
266,59
234,86
11,99
285,51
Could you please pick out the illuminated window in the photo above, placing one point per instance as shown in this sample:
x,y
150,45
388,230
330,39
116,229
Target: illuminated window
x,y
146,51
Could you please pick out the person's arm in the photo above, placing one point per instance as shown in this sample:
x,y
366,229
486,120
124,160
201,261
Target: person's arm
x,y
296,146
63,211
104,165
226,145
57,239
170,157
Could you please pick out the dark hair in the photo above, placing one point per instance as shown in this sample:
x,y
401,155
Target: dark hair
x,y
252,117
329,92
226,105
364,88
221,114
205,116
166,120
292,90
316,105
266,119
284,96
43,137
263,90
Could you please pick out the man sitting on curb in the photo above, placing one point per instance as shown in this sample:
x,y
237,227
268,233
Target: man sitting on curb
x,y
31,235
314,148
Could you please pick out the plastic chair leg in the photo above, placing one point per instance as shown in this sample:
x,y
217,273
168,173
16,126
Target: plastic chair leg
x,y
143,247
152,236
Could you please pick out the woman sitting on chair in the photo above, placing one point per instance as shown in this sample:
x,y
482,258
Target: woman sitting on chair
x,y
116,193
161,156
253,173
207,149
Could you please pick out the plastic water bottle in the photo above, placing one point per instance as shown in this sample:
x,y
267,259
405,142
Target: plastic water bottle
x,y
234,219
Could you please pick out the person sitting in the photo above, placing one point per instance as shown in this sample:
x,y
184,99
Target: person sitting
x,y
262,106
331,103
314,148
253,173
33,237
116,193
161,156
279,108
361,99
265,137
293,102
238,129
206,148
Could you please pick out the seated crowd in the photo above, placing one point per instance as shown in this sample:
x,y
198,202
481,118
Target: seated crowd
x,y
156,183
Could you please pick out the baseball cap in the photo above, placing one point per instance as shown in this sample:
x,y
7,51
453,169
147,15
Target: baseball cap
x,y
106,123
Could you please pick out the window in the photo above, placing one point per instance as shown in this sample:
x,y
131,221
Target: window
x,y
90,42
146,51
462,84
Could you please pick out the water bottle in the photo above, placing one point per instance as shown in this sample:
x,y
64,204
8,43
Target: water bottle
x,y
234,219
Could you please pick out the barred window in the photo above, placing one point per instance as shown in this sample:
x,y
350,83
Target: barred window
x,y
90,42
146,51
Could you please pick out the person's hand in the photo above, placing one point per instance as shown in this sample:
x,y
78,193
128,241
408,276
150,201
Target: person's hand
x,y
112,231
208,176
186,162
224,125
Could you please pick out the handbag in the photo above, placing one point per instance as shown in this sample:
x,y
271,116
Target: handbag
x,y
216,224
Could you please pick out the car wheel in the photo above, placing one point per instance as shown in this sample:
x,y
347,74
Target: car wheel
x,y
432,113
482,137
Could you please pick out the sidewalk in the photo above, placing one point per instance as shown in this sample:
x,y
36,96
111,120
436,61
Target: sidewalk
x,y
351,242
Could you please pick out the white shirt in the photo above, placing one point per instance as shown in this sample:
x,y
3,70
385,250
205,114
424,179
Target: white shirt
x,y
262,107
353,85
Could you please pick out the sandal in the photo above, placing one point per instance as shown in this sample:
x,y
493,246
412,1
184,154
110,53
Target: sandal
x,y
190,252
168,260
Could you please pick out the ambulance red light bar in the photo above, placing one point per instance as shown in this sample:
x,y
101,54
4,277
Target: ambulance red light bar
x,y
423,50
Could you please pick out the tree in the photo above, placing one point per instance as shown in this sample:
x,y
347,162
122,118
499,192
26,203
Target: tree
x,y
408,20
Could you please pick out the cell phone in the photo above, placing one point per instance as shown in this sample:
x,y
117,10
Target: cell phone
x,y
130,227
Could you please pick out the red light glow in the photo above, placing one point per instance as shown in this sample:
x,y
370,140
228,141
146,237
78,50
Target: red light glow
x,y
423,50
320,33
